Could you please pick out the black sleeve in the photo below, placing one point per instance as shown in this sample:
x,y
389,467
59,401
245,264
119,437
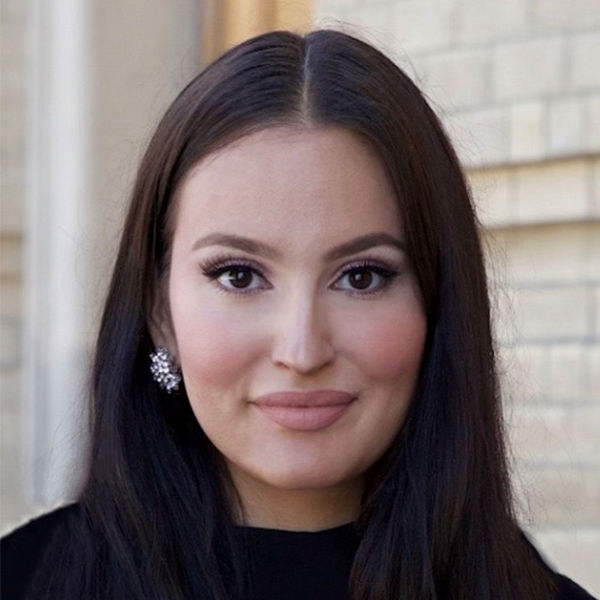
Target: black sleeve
x,y
567,589
21,551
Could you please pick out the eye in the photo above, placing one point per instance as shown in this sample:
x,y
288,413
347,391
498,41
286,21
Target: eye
x,y
238,277
367,278
234,276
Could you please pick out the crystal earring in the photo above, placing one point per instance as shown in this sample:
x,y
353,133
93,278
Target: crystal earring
x,y
164,371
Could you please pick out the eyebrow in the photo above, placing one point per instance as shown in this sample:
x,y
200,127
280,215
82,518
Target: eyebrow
x,y
364,242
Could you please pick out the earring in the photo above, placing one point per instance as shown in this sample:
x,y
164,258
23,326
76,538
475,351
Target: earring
x,y
164,371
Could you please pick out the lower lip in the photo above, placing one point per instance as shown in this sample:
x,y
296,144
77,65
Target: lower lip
x,y
305,418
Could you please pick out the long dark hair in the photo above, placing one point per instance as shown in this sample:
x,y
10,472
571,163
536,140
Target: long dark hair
x,y
437,520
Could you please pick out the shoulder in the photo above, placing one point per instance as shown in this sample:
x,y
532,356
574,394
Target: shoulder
x,y
21,551
567,589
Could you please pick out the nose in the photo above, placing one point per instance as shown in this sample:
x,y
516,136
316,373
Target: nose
x,y
302,342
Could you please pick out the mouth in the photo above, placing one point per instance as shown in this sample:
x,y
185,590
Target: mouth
x,y
305,410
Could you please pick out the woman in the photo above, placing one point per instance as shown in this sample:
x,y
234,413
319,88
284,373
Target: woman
x,y
294,391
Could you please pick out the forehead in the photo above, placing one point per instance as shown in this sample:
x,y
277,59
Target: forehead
x,y
290,185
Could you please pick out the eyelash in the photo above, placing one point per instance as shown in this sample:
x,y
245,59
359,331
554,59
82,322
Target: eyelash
x,y
215,267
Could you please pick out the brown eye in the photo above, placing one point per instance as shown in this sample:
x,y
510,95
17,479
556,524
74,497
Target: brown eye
x,y
240,277
235,276
366,279
360,279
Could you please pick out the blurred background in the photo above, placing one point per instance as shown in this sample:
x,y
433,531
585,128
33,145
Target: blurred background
x,y
517,83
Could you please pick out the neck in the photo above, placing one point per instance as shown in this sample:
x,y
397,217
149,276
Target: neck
x,y
271,507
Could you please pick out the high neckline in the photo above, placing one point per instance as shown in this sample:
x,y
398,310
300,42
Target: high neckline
x,y
345,528
295,565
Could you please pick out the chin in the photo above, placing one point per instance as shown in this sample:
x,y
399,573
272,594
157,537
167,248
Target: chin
x,y
302,478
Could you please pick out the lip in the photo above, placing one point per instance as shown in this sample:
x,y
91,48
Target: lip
x,y
305,410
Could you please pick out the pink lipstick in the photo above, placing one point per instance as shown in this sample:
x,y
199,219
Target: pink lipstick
x,y
305,410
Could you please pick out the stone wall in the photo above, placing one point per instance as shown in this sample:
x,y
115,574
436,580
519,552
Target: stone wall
x,y
517,83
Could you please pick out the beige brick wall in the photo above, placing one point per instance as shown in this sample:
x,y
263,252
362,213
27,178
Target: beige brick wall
x,y
517,83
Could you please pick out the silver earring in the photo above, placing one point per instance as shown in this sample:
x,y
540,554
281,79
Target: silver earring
x,y
163,370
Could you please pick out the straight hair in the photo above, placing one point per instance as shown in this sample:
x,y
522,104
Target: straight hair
x,y
437,519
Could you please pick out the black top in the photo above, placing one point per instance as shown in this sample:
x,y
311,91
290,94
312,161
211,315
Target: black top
x,y
286,564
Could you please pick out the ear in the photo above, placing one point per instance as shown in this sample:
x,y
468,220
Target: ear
x,y
160,324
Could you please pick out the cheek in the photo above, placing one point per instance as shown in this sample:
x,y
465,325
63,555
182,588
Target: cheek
x,y
390,343
214,348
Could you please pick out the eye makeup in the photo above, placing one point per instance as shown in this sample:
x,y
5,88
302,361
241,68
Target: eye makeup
x,y
217,266
386,274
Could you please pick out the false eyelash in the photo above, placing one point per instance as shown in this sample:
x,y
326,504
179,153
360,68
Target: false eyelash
x,y
213,265
376,265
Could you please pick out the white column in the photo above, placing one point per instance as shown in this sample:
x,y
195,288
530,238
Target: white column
x,y
57,250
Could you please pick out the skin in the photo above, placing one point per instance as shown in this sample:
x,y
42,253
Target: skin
x,y
302,324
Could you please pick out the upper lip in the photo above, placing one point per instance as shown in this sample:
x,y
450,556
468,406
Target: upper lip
x,y
305,399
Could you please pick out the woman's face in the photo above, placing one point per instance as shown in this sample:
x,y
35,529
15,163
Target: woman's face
x,y
288,274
